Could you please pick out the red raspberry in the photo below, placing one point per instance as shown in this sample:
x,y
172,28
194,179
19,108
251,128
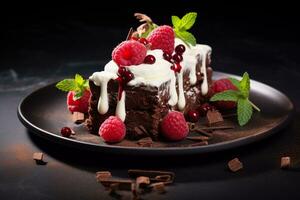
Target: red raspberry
x,y
79,105
129,52
220,86
112,130
162,38
174,126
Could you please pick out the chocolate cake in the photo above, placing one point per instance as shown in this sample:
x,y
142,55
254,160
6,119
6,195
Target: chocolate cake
x,y
147,102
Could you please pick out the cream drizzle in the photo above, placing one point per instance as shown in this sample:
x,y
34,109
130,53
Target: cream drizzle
x,y
121,110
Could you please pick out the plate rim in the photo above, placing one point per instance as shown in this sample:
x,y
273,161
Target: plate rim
x,y
156,150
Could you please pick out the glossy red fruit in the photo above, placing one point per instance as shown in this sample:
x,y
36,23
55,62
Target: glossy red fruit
x,y
174,126
122,71
79,105
204,108
177,58
112,130
150,59
163,37
66,132
167,56
144,41
128,76
193,115
180,49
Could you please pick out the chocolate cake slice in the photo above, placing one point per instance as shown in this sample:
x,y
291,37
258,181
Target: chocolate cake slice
x,y
147,104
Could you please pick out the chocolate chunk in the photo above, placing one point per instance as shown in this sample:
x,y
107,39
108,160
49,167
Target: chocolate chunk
x,y
145,142
142,181
198,138
285,162
119,184
235,165
103,175
214,117
153,175
38,157
158,187
78,117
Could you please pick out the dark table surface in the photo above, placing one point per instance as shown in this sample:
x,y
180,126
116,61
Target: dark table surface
x,y
36,53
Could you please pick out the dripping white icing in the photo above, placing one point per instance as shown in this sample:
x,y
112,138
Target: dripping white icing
x,y
101,79
155,75
121,110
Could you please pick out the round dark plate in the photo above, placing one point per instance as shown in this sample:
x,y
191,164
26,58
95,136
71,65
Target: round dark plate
x,y
44,113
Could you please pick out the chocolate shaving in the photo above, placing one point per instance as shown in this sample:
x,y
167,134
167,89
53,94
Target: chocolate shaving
x,y
78,117
214,117
145,142
235,165
118,184
134,173
158,187
143,18
202,143
163,178
103,175
285,162
130,32
198,138
38,157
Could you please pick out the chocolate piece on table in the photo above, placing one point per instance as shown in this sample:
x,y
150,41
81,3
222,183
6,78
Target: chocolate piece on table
x,y
145,142
102,175
141,182
78,117
153,175
214,117
120,184
198,138
159,187
38,157
285,162
235,165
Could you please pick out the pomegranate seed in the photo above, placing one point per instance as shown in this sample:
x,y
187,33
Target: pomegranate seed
x,y
66,132
128,76
122,71
177,58
205,107
134,38
144,41
179,49
193,115
167,56
150,59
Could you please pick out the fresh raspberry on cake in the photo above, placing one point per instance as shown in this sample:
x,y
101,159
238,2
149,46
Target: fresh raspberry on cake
x,y
174,126
162,38
112,130
129,52
220,86
79,105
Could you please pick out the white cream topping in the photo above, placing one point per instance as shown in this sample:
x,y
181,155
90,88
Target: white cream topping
x,y
155,75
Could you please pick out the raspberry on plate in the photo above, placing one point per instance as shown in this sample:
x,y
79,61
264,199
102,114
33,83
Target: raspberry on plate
x,y
174,126
79,105
112,130
162,38
129,52
220,86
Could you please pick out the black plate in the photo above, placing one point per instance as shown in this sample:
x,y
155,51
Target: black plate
x,y
44,112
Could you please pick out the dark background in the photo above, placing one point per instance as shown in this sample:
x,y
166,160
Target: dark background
x,y
41,44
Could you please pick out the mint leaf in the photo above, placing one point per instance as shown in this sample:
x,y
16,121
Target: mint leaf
x,y
228,95
245,85
79,79
244,110
86,84
187,37
235,82
78,94
67,85
176,21
188,21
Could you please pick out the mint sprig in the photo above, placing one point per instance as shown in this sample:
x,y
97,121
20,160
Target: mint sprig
x,y
241,96
181,27
78,85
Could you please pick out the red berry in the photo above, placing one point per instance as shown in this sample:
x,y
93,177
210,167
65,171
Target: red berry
x,y
79,105
193,115
122,71
167,56
112,130
220,86
66,132
134,38
204,108
128,53
176,67
174,126
144,41
150,59
162,38
128,76
177,58
180,49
